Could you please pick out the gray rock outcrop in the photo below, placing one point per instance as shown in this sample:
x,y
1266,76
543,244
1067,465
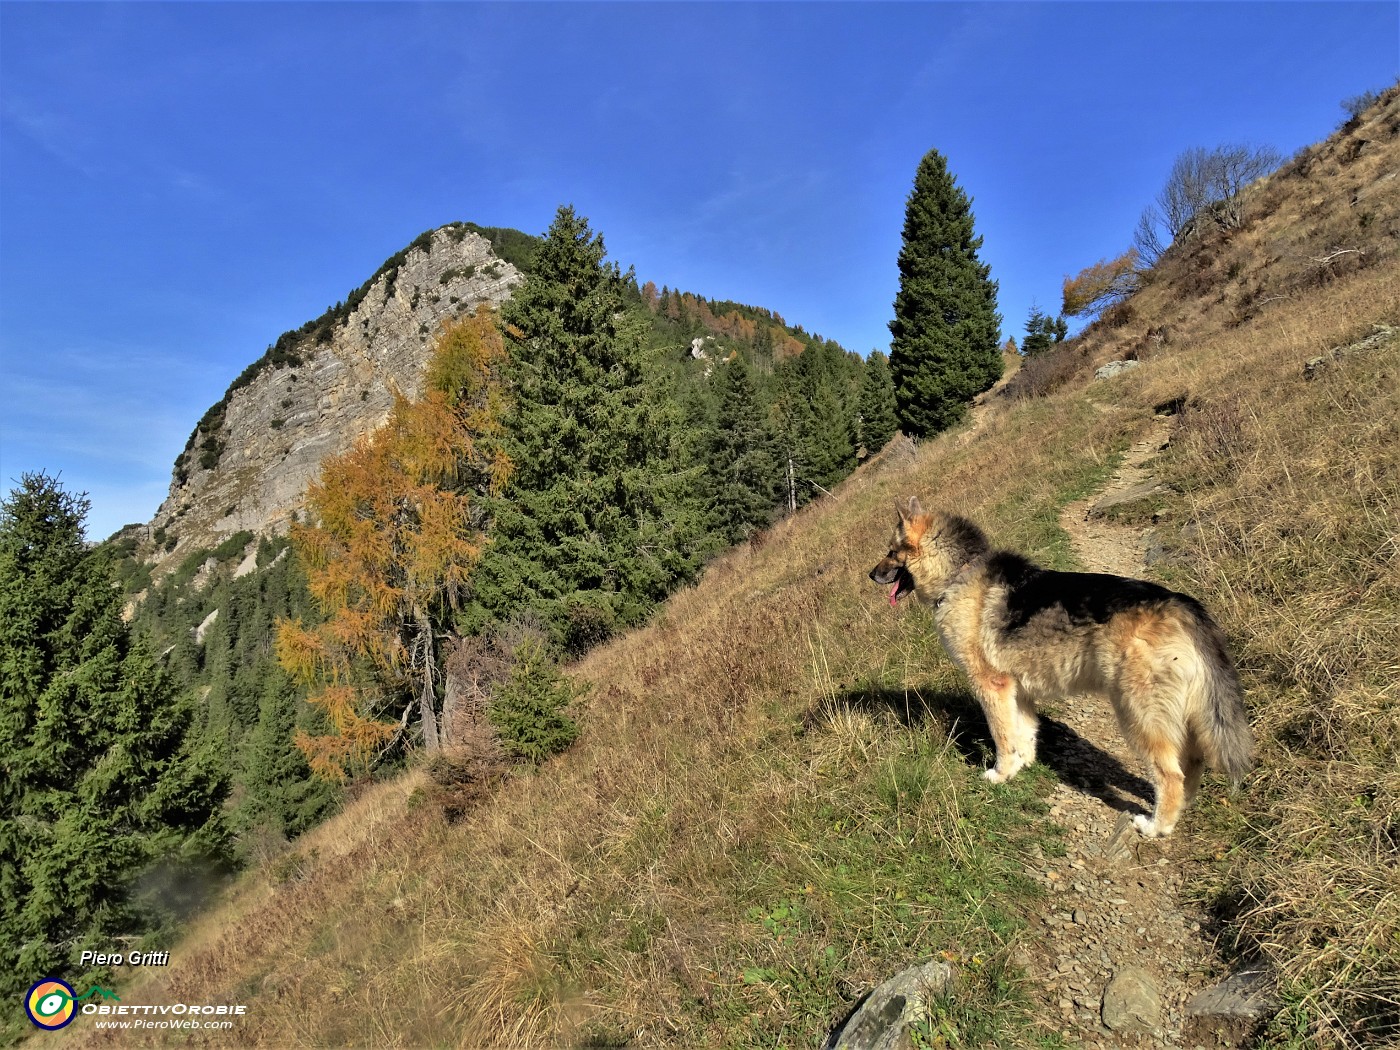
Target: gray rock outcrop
x,y
1143,492
1114,368
276,430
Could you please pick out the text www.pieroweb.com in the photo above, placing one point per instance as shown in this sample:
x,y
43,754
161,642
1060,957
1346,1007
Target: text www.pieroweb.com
x,y
177,1017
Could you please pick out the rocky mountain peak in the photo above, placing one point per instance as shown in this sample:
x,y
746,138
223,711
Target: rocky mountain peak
x,y
248,461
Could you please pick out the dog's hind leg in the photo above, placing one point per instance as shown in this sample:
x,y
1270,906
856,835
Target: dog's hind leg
x,y
1170,783
1148,698
1193,765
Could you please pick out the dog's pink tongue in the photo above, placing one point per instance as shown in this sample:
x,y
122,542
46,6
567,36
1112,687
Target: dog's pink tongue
x,y
894,594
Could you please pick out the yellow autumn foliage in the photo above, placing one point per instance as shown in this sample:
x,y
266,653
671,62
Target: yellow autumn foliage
x,y
390,542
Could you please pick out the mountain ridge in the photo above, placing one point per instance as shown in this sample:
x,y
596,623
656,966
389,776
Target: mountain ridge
x,y
318,388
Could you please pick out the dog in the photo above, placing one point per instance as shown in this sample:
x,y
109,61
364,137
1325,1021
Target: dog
x,y
1022,633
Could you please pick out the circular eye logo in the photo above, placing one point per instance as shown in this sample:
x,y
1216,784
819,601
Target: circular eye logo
x,y
49,1003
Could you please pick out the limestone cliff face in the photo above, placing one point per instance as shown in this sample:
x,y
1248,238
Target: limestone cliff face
x,y
248,465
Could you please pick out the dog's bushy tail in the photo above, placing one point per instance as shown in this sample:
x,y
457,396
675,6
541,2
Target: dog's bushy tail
x,y
1222,725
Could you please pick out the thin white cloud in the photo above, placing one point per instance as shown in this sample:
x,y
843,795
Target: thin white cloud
x,y
114,405
53,133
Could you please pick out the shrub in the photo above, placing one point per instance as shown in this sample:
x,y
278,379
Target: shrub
x,y
1047,372
1213,436
232,547
466,773
1118,315
531,710
1359,104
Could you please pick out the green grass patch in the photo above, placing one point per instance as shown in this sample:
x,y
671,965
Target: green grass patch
x,y
1074,451
895,852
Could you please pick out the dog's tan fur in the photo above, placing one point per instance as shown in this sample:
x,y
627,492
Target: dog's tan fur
x,y
1021,633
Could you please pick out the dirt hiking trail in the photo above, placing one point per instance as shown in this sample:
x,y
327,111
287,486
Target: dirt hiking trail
x,y
1118,955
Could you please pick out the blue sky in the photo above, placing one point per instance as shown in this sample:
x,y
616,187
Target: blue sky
x,y
180,183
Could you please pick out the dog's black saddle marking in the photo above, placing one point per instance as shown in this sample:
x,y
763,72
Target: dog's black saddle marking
x,y
1078,597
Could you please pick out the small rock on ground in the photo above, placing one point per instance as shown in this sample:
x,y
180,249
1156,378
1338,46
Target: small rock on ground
x,y
1132,1001
1244,994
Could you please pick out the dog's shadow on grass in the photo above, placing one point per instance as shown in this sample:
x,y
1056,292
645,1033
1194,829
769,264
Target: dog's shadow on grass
x,y
1074,760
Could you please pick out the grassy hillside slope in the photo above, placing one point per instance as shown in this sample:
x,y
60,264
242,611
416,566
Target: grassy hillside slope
x,y
776,800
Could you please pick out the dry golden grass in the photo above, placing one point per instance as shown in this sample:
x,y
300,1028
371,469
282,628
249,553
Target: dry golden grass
x,y
746,834
775,799
1298,495
1295,489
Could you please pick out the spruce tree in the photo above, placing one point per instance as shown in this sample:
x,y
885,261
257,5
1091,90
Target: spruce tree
x,y
878,421
582,538
98,776
817,414
796,426
281,798
946,327
531,709
743,471
1042,331
832,453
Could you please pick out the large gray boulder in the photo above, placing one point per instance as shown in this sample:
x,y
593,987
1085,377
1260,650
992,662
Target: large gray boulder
x,y
1114,368
881,1021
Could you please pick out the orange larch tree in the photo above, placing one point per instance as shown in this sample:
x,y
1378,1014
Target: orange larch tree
x,y
391,543
1106,282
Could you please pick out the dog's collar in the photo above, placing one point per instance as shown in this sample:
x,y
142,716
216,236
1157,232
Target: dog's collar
x,y
957,578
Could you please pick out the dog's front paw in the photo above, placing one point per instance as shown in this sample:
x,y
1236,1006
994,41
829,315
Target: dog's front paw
x,y
1150,828
995,775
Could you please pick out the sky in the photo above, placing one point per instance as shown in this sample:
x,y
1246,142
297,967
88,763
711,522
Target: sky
x,y
180,183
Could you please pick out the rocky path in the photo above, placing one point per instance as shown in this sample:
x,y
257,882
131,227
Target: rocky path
x,y
1101,543
1118,958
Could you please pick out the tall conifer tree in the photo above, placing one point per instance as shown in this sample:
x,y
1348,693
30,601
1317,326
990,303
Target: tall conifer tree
x,y
1042,332
280,796
97,776
582,537
832,452
878,421
816,418
743,469
946,325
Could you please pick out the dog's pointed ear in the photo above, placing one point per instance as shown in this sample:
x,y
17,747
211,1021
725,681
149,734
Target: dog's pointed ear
x,y
900,510
914,508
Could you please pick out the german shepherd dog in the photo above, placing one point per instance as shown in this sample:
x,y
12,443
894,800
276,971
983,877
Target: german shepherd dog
x,y
1020,632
